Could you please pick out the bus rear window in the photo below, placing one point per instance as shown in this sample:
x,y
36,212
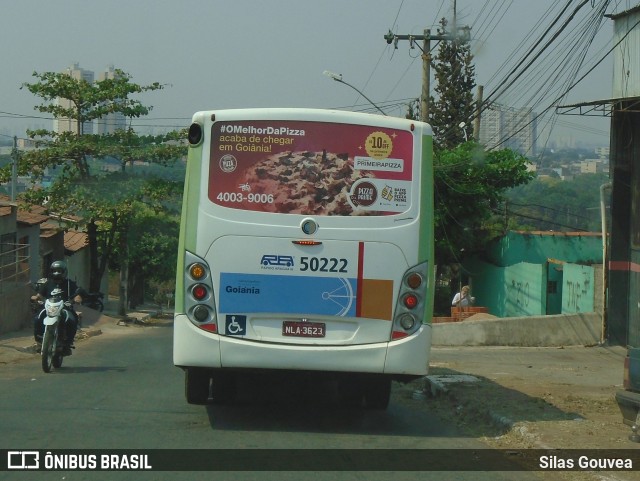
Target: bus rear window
x,y
310,168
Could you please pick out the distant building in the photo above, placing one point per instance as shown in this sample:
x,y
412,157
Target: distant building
x,y
602,152
107,124
594,166
114,121
70,125
589,167
25,144
503,127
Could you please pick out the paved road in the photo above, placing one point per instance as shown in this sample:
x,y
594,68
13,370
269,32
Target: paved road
x,y
120,390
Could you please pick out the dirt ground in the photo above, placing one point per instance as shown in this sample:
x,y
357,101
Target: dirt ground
x,y
532,398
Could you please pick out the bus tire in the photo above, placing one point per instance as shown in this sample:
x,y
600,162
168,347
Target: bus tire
x,y
377,392
196,385
224,387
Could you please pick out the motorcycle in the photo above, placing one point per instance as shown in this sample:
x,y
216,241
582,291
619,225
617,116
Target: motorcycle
x,y
54,330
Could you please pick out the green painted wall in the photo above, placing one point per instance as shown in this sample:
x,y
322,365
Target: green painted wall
x,y
515,276
537,247
514,291
577,289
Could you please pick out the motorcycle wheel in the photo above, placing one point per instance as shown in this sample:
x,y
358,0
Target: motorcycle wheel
x,y
48,349
57,360
99,306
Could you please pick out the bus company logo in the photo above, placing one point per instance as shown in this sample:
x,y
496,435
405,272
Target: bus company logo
x,y
277,262
364,194
23,460
228,163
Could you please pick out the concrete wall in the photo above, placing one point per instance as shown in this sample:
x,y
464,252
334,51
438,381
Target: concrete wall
x,y
78,265
543,331
8,222
15,310
538,247
32,232
520,290
513,291
526,289
578,289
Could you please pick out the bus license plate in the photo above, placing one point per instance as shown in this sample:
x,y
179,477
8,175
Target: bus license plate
x,y
303,329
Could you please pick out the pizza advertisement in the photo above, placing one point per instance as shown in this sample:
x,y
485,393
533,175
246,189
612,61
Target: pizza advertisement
x,y
310,168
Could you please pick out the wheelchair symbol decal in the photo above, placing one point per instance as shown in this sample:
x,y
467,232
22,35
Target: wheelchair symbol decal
x,y
236,325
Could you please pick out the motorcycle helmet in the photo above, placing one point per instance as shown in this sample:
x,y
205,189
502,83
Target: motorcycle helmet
x,y
58,270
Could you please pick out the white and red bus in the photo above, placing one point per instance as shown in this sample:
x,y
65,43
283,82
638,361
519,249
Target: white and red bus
x,y
306,243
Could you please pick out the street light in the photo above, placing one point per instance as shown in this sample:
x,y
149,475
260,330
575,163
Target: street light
x,y
462,125
338,78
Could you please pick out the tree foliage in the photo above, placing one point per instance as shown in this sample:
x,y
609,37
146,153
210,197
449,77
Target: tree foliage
x,y
455,80
561,205
470,185
110,203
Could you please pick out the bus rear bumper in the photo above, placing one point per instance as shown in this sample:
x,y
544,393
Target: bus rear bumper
x,y
194,347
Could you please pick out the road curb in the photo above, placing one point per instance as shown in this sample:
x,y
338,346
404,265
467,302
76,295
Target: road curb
x,y
438,385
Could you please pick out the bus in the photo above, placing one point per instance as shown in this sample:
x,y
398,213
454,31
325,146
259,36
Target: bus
x,y
306,244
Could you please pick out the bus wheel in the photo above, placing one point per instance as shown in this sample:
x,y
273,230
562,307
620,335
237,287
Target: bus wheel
x,y
196,385
377,392
224,387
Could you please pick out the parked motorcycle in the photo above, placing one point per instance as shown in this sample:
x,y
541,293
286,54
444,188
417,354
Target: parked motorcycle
x,y
92,300
54,330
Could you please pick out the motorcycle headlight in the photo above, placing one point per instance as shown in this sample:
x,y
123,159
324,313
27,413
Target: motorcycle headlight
x,y
53,311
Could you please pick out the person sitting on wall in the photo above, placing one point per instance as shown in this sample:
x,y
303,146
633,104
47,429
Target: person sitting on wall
x,y
463,298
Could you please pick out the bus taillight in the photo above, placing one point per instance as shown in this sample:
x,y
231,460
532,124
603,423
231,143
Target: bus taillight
x,y
414,280
407,321
199,292
411,303
201,313
197,271
209,327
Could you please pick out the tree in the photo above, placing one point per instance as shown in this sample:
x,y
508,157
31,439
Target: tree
x,y
108,202
470,186
455,80
560,205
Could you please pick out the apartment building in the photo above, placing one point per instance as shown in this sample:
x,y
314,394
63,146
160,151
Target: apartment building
x,y
70,125
502,127
114,121
106,125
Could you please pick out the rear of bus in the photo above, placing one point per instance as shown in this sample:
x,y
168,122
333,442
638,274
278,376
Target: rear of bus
x,y
306,244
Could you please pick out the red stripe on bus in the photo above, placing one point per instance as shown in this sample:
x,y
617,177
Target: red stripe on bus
x,y
360,279
624,266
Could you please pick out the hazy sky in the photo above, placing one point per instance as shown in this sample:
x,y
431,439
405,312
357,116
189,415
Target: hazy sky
x,y
254,53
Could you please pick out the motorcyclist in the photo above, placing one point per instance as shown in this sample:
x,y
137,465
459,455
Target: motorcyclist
x,y
58,279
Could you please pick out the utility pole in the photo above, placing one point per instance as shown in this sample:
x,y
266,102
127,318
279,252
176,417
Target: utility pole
x,y
463,34
476,120
14,169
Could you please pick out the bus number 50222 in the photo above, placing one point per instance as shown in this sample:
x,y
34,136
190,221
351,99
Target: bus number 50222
x,y
323,264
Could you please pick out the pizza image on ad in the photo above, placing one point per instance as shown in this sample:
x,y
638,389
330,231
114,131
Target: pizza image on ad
x,y
310,168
